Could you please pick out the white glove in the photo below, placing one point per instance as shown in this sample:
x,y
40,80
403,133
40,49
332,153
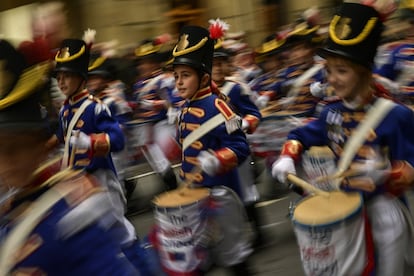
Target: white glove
x,y
81,141
262,101
245,125
208,162
317,89
172,115
282,167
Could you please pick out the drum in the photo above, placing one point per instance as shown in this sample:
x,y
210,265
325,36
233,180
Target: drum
x,y
138,133
330,232
271,133
181,219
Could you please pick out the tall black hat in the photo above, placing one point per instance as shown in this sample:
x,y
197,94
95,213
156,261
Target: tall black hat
x,y
157,49
20,91
73,56
354,33
102,66
195,48
302,32
272,45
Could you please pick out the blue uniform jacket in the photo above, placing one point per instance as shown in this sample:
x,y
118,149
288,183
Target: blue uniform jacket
x,y
95,119
232,148
393,139
92,250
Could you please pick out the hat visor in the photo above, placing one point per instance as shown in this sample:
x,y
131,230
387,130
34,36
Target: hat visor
x,y
192,63
326,52
220,55
68,69
99,73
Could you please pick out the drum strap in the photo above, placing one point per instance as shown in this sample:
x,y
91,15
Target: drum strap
x,y
372,119
72,123
29,220
227,87
203,130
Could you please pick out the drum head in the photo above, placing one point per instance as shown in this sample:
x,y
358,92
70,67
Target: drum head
x,y
323,210
180,197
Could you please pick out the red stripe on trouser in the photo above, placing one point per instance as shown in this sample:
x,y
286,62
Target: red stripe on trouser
x,y
369,269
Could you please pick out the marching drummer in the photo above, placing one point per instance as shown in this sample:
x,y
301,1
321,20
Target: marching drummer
x,y
209,131
395,65
102,83
152,94
89,134
270,57
37,198
372,137
238,96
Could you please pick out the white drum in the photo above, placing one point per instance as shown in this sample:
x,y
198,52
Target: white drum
x,y
182,223
331,234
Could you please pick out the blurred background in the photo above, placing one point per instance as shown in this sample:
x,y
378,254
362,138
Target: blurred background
x,y
129,21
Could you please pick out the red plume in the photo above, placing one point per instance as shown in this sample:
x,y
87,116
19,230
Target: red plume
x,y
217,28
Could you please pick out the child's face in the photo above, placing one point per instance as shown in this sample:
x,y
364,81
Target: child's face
x,y
69,83
96,83
300,54
220,70
187,81
344,78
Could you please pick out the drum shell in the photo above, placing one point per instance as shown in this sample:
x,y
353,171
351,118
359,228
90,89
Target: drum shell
x,y
181,232
138,133
336,247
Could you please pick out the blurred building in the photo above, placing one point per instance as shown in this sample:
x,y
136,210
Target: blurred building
x,y
130,21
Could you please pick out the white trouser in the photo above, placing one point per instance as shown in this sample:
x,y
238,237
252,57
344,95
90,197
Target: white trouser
x,y
117,200
390,234
247,182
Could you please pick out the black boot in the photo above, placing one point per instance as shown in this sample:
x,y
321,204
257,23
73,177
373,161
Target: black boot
x,y
254,219
129,186
170,179
241,269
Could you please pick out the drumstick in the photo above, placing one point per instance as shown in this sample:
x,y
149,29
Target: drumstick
x,y
188,182
348,173
73,151
271,107
305,185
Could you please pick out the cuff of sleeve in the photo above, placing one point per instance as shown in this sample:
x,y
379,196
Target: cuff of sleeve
x,y
100,144
292,148
253,123
227,158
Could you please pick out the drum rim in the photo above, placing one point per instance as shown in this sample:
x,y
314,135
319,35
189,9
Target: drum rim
x,y
350,217
166,208
169,208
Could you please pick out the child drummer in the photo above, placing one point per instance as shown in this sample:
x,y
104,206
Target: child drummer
x,y
383,159
223,147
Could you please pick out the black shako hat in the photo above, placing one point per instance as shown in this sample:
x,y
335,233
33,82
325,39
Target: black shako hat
x,y
102,66
153,49
195,48
21,89
354,33
73,56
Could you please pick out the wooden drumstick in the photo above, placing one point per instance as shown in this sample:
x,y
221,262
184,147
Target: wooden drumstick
x,y
305,185
186,184
73,151
271,107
